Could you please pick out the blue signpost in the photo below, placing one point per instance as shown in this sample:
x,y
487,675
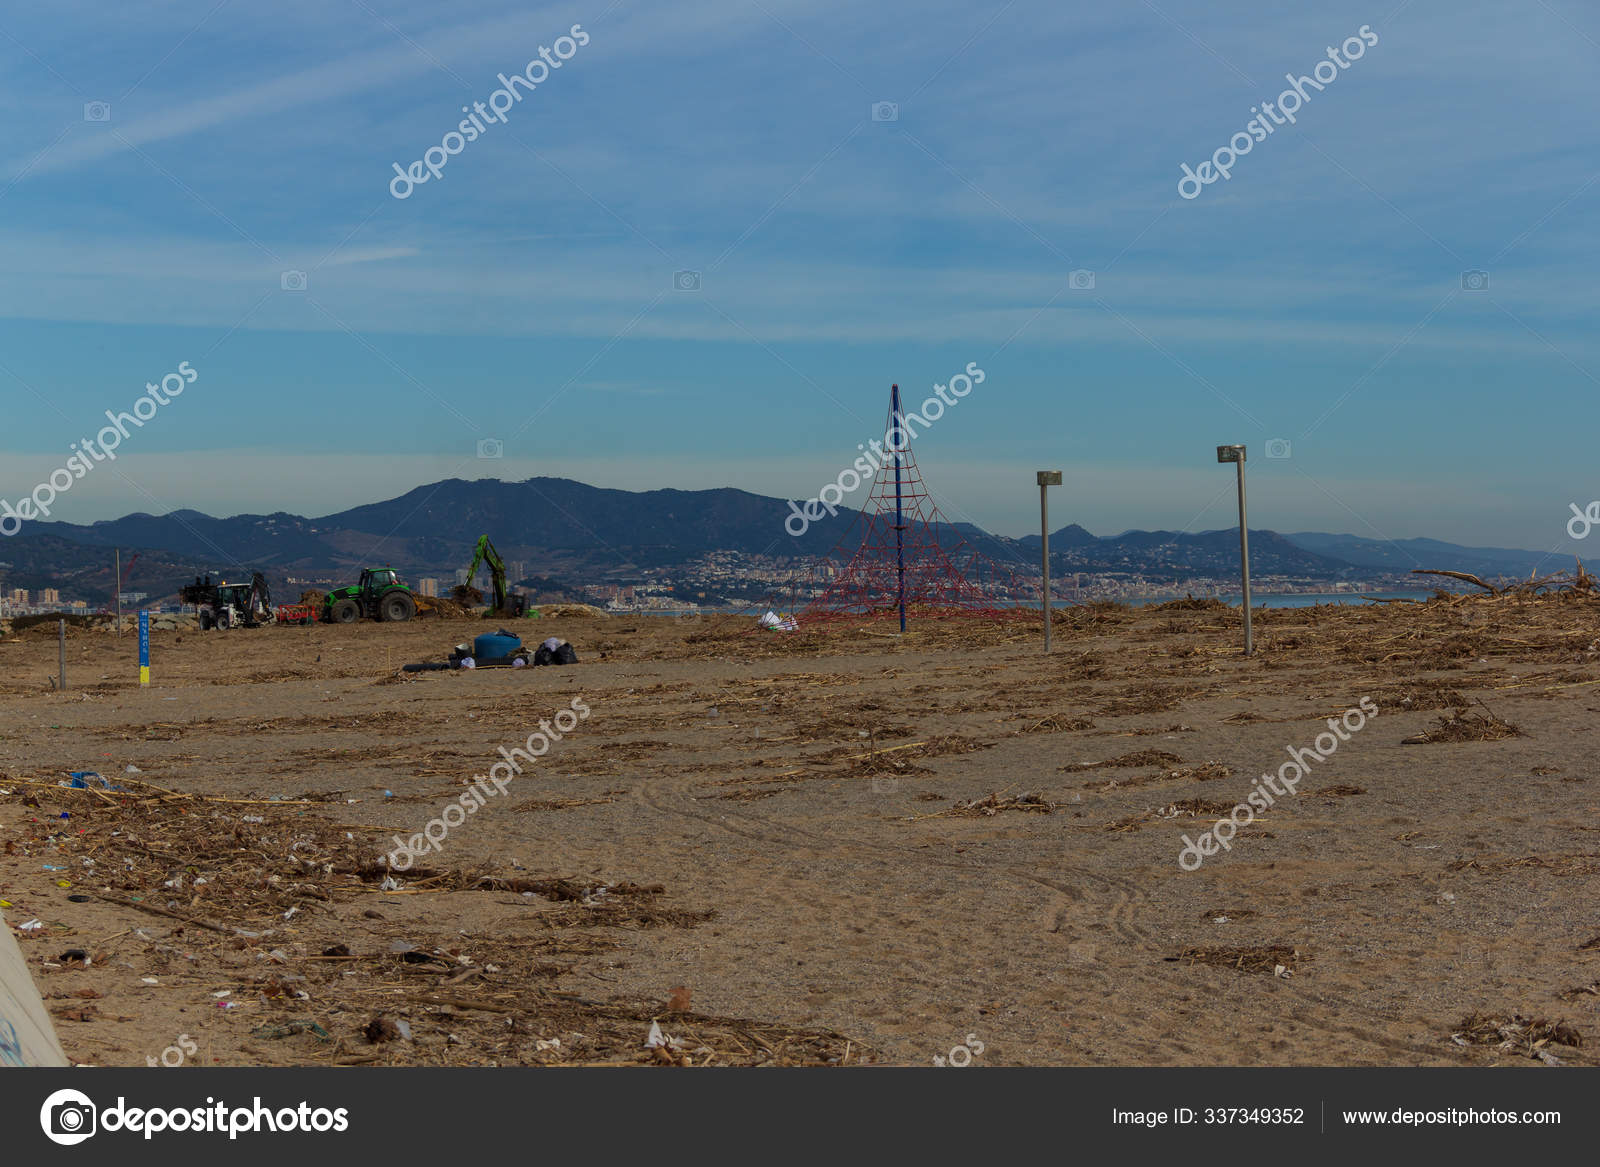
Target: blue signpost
x,y
144,647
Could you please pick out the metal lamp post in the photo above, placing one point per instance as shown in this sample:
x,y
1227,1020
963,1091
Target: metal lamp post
x,y
1046,478
1236,454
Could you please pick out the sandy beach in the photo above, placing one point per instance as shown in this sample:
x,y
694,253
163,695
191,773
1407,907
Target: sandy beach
x,y
837,845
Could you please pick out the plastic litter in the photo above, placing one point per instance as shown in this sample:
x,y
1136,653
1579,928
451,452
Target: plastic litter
x,y
89,780
290,1029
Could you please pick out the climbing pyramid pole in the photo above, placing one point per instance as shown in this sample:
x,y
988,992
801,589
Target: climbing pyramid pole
x,y
907,558
897,427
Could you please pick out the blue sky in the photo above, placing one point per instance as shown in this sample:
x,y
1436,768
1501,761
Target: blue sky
x,y
528,294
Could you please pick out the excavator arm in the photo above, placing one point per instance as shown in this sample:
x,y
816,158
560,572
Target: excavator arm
x,y
485,553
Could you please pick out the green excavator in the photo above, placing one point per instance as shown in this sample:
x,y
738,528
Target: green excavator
x,y
505,604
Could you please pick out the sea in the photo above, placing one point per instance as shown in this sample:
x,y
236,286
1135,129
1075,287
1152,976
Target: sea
x,y
1293,599
1270,600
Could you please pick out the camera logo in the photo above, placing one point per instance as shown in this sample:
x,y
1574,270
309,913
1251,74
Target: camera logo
x,y
1081,280
886,111
97,111
882,785
491,448
1474,281
1278,447
68,1117
686,281
294,281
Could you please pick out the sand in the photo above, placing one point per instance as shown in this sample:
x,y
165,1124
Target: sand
x,y
837,845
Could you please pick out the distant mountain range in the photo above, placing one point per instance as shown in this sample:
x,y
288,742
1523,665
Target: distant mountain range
x,y
1405,554
575,533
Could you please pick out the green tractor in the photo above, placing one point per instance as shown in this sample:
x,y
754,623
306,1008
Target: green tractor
x,y
379,596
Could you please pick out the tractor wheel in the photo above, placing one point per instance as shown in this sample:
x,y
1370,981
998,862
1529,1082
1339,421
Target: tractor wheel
x,y
397,606
345,612
206,622
224,619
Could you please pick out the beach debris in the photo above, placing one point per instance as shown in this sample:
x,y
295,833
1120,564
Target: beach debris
x,y
89,780
292,1028
381,1029
993,804
1515,1033
678,1002
555,651
1278,959
1466,725
1141,758
1185,808
665,1050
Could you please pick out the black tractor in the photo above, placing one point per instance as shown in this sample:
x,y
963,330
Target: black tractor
x,y
379,596
226,605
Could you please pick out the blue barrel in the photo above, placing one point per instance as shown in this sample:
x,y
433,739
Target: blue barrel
x,y
493,647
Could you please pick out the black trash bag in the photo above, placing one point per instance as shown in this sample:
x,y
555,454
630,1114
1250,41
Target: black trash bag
x,y
562,654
